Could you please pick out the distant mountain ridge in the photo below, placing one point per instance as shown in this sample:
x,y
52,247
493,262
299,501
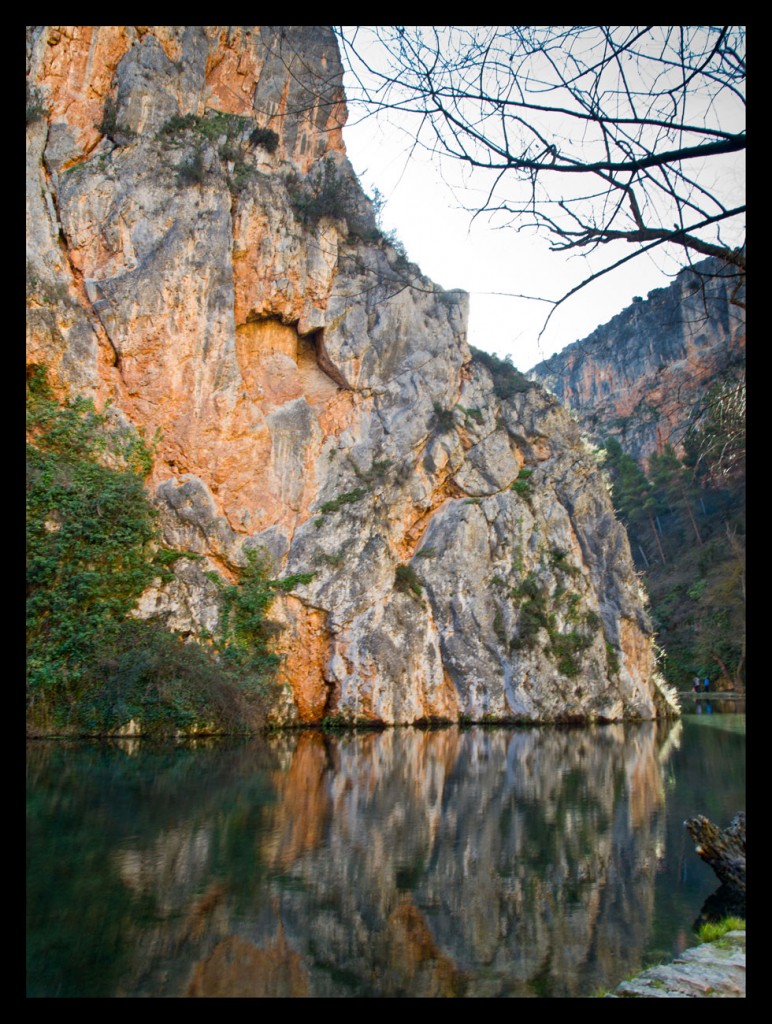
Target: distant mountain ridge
x,y
641,377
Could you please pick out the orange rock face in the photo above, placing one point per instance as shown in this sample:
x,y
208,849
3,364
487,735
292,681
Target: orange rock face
x,y
642,376
239,969
305,387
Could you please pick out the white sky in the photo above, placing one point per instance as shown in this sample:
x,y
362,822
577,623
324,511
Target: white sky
x,y
438,236
456,253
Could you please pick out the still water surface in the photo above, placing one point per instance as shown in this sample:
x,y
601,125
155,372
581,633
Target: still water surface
x,y
460,862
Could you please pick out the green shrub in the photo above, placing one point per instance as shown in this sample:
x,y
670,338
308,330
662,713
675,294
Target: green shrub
x,y
522,485
406,581
92,548
328,192
212,127
498,627
507,381
241,176
245,630
107,125
343,499
265,138
566,647
612,660
532,618
178,123
287,583
165,686
192,171
88,528
442,419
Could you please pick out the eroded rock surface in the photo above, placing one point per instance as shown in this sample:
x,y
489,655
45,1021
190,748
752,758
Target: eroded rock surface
x,y
641,377
201,255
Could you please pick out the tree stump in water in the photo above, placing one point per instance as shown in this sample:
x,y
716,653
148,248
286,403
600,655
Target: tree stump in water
x,y
722,849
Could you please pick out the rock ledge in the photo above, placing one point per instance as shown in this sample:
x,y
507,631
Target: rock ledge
x,y
714,969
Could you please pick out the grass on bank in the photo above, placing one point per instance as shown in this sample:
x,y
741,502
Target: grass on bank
x,y
712,931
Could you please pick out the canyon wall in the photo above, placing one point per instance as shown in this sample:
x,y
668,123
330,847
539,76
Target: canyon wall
x,y
642,377
201,256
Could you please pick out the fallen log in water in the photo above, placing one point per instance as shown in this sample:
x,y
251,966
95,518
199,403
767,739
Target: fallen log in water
x,y
722,849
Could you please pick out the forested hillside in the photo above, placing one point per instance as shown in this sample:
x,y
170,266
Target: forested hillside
x,y
685,518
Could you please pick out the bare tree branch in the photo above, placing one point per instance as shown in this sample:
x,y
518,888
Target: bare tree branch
x,y
534,113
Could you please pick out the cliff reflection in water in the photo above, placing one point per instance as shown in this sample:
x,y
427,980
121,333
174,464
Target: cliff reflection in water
x,y
478,862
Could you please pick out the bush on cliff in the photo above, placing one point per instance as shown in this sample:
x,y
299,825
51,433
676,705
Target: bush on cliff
x,y
92,548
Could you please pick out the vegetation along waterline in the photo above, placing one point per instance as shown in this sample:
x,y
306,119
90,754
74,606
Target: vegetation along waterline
x,y
92,548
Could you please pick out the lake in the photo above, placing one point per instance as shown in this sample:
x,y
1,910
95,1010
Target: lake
x,y
464,861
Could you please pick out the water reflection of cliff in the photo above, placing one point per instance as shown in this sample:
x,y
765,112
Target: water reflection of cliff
x,y
478,862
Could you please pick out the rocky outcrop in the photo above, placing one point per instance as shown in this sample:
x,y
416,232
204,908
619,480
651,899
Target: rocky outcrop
x,y
712,970
201,255
641,377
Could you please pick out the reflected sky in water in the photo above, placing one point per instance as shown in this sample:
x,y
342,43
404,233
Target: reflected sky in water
x,y
460,862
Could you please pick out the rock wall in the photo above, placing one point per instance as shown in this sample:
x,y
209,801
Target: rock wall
x,y
201,255
641,376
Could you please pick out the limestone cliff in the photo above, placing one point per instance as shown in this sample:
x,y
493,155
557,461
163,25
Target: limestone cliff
x,y
201,255
642,376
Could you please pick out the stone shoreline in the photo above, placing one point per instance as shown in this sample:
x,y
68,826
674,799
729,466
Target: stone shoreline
x,y
712,970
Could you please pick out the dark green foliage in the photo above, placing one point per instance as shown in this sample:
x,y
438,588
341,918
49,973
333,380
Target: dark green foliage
x,y
287,583
245,630
498,627
213,127
178,123
442,419
92,549
530,587
566,647
108,124
327,191
343,499
612,660
507,381
686,524
406,581
715,443
241,175
167,686
165,558
535,615
266,138
634,498
192,171
88,527
522,485
592,620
